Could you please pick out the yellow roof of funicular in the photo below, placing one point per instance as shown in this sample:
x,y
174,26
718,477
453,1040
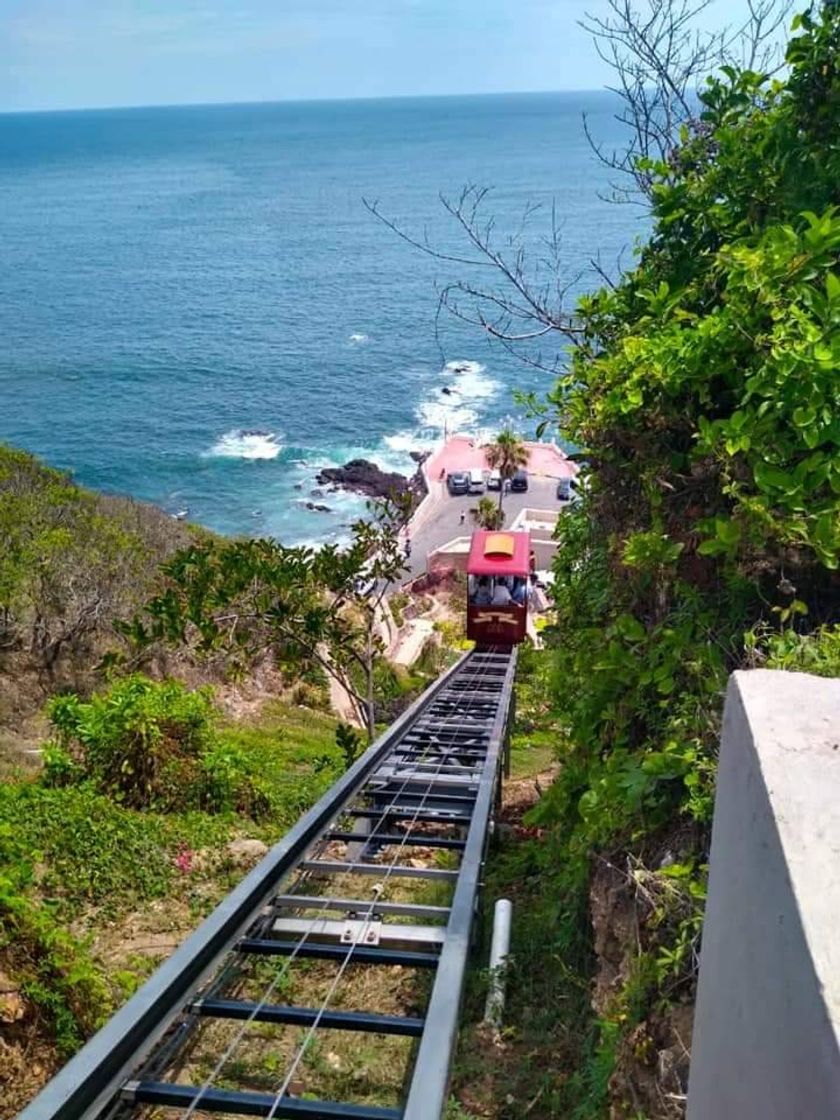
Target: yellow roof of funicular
x,y
499,544
499,553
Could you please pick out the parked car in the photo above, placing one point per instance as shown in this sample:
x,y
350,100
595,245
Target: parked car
x,y
476,481
494,480
519,482
458,482
564,490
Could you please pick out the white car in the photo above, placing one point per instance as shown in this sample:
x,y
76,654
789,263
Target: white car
x,y
476,481
494,480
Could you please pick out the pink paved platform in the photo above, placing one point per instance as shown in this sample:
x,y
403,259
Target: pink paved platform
x,y
460,453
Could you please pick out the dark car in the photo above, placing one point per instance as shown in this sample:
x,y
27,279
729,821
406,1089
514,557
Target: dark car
x,y
458,482
519,482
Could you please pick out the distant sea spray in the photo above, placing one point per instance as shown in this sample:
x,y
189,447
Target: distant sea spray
x,y
240,443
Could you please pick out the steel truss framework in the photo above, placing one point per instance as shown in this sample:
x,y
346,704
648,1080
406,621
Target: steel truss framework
x,y
430,783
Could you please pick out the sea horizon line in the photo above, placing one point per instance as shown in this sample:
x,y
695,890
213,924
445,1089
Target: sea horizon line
x,y
266,102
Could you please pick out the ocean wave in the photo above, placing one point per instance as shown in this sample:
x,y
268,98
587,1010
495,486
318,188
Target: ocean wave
x,y
358,339
386,456
244,443
463,365
445,415
469,381
403,443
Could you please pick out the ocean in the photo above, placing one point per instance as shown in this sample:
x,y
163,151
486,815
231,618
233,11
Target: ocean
x,y
197,309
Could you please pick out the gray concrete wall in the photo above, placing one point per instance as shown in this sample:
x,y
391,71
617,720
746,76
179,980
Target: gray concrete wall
x,y
767,1022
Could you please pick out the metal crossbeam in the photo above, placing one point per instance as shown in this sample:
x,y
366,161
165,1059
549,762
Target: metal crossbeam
x,y
358,905
305,1016
250,1104
361,954
321,928
421,840
336,867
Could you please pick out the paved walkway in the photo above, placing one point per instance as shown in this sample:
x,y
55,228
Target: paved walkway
x,y
438,519
460,453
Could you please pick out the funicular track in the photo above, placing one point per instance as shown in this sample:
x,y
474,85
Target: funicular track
x,y
325,910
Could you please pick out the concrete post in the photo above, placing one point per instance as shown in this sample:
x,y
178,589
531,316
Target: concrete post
x,y
499,948
766,1041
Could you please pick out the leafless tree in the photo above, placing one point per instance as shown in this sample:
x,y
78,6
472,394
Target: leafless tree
x,y
531,301
660,60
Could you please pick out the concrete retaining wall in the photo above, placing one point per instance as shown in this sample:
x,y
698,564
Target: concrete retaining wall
x,y
767,1022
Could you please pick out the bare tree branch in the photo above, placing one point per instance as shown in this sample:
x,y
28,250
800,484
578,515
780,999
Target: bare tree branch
x,y
660,61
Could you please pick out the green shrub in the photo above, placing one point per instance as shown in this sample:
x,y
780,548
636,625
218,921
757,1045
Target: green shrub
x,y
141,741
153,744
817,652
91,849
54,970
703,391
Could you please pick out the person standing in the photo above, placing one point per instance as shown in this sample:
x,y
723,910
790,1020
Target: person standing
x,y
463,516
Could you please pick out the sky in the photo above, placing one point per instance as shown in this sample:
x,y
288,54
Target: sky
x,y
61,54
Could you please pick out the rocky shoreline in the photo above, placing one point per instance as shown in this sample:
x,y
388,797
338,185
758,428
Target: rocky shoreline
x,y
363,477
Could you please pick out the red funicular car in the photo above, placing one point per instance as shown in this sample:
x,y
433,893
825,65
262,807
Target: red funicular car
x,y
497,597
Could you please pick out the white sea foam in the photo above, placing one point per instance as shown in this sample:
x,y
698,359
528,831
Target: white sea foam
x,y
469,380
401,443
242,443
454,406
446,415
358,339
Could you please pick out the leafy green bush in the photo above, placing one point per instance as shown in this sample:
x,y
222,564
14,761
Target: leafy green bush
x,y
72,560
151,744
91,850
54,970
817,652
704,394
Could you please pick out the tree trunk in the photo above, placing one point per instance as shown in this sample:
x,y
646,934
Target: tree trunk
x,y
369,706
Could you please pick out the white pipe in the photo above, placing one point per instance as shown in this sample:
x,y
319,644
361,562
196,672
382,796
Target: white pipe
x,y
499,949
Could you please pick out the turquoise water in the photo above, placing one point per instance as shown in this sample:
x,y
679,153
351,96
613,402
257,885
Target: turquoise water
x,y
175,279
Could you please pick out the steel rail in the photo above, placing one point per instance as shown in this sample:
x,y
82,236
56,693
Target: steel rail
x,y
368,917
90,1079
304,949
105,1069
430,1078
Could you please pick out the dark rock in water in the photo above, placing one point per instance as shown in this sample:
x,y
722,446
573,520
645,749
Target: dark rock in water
x,y
298,486
447,392
316,492
318,507
419,456
365,477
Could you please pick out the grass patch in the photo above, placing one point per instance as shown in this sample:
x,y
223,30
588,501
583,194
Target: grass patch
x,y
85,877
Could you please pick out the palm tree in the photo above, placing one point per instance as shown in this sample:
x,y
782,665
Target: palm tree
x,y
488,515
506,454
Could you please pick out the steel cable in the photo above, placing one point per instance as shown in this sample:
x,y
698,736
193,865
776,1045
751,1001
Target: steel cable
x,y
482,676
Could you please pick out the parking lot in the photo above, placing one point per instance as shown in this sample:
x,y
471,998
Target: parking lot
x,y
440,516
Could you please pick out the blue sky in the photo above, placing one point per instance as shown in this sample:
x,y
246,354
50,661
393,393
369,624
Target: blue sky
x,y
90,53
